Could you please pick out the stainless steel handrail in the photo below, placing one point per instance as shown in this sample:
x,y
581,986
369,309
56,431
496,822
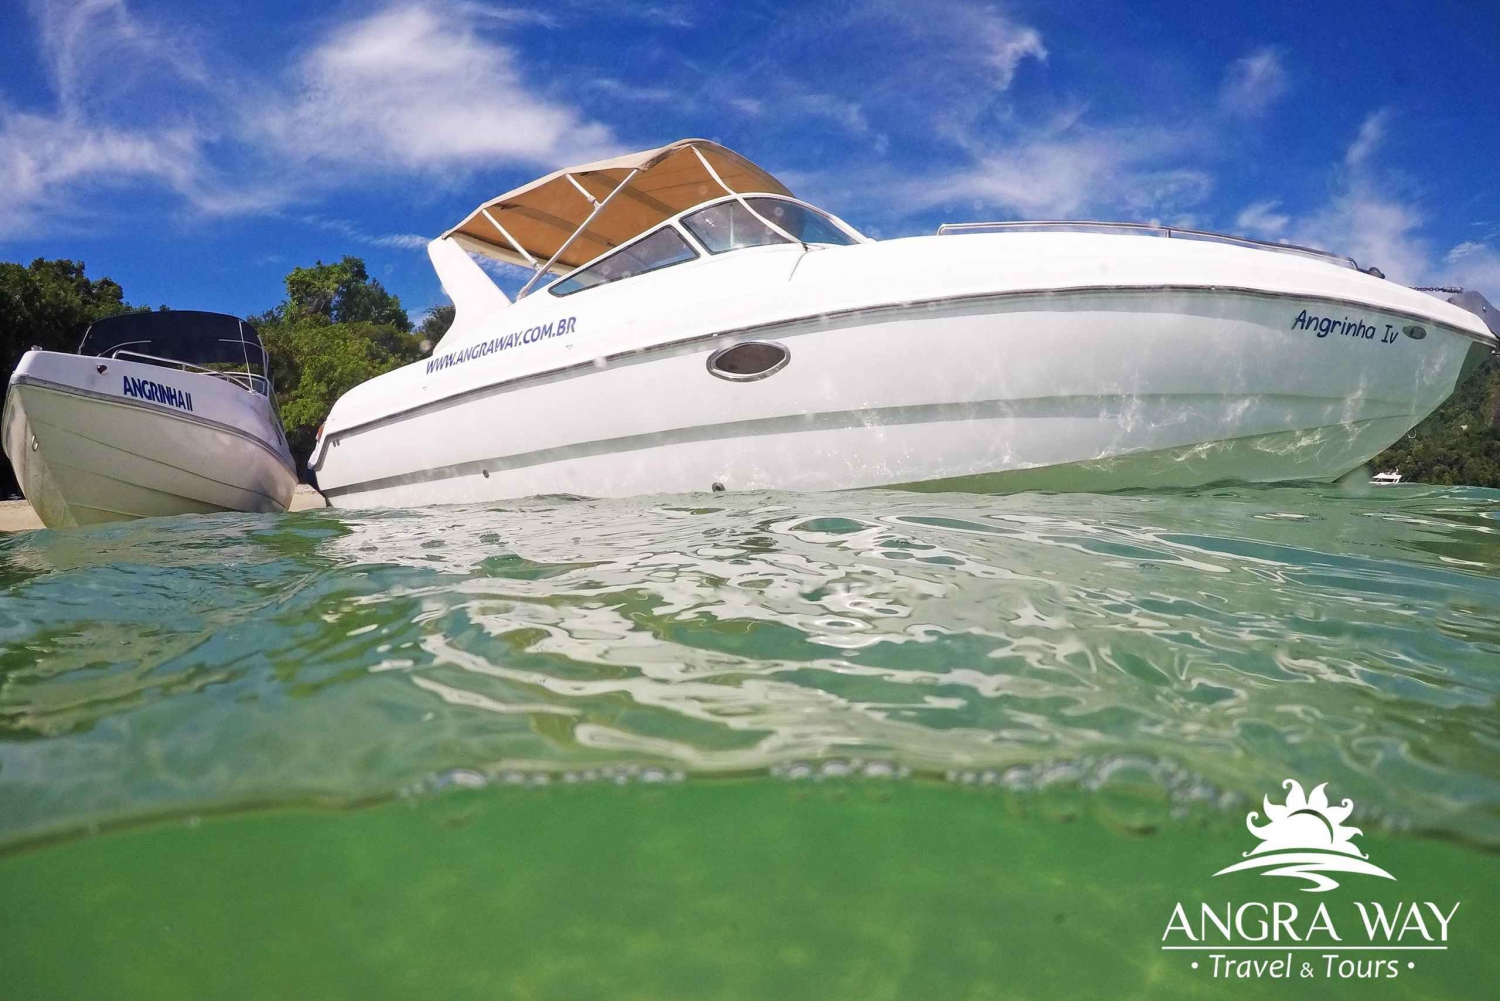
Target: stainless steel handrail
x,y
245,380
1169,232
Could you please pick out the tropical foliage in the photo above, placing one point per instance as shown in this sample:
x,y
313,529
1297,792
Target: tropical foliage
x,y
336,328
1460,442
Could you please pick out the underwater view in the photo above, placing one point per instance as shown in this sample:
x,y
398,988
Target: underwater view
x,y
862,745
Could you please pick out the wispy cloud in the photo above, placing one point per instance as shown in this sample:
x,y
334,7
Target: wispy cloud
x,y
1365,215
629,92
972,32
86,43
416,86
1473,265
1261,219
1069,170
1253,83
835,109
88,138
1366,218
1371,134
344,227
671,14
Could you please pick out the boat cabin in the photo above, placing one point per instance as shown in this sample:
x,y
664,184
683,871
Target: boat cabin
x,y
188,340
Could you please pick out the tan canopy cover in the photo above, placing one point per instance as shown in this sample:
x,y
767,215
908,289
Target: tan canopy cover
x,y
540,216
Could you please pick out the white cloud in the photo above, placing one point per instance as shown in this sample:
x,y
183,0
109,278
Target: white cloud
x,y
1473,265
1252,83
97,57
1070,173
96,51
42,156
406,241
629,92
1365,218
1468,248
1261,219
967,32
1371,134
846,113
747,105
417,86
1368,218
1007,44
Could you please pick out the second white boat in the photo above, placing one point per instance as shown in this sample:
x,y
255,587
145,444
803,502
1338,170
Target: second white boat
x,y
156,414
710,332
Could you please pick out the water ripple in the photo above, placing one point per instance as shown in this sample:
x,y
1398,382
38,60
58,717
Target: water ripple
x,y
1238,635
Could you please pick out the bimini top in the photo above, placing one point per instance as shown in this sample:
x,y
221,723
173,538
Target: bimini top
x,y
573,215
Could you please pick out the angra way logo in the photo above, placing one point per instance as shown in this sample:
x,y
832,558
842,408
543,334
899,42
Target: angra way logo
x,y
1332,939
1306,837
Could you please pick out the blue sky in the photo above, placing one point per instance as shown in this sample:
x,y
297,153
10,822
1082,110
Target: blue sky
x,y
196,152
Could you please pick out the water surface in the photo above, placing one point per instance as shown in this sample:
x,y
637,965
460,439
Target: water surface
x,y
863,744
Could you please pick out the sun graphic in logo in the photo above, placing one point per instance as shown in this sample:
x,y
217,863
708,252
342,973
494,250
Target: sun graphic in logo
x,y
1305,837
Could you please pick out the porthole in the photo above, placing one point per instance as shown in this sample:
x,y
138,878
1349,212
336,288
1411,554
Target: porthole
x,y
748,361
1415,332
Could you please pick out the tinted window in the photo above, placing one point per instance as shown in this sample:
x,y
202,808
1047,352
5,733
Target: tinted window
x,y
659,250
729,226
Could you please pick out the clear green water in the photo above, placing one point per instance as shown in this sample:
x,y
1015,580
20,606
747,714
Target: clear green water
x,y
861,745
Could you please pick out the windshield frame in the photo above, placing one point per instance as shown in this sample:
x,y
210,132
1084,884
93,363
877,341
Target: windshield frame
x,y
854,235
703,253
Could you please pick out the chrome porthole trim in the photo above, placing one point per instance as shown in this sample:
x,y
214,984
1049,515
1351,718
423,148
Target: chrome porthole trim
x,y
779,357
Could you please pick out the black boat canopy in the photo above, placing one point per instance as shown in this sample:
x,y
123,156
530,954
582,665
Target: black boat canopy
x,y
187,338
176,334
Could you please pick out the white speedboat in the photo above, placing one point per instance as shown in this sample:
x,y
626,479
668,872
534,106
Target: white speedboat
x,y
156,414
701,329
1390,479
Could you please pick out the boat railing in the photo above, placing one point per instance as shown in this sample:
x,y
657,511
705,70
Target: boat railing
x,y
245,380
1143,229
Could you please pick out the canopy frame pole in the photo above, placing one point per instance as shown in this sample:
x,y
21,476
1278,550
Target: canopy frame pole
x,y
741,199
581,189
506,233
599,207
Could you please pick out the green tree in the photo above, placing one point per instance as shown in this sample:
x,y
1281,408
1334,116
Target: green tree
x,y
341,293
336,328
48,304
436,323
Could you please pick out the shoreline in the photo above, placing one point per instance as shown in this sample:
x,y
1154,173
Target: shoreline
x,y
17,515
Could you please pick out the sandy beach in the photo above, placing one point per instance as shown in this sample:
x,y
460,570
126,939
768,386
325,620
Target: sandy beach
x,y
17,515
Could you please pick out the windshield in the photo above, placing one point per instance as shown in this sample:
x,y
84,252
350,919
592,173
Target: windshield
x,y
187,339
659,250
729,226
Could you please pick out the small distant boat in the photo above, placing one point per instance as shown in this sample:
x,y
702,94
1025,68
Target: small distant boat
x,y
692,326
155,414
1385,479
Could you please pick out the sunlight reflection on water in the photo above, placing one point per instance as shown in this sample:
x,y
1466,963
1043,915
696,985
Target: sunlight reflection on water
x,y
1236,634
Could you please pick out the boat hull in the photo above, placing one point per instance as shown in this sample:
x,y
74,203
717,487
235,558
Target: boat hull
x,y
84,455
1098,390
